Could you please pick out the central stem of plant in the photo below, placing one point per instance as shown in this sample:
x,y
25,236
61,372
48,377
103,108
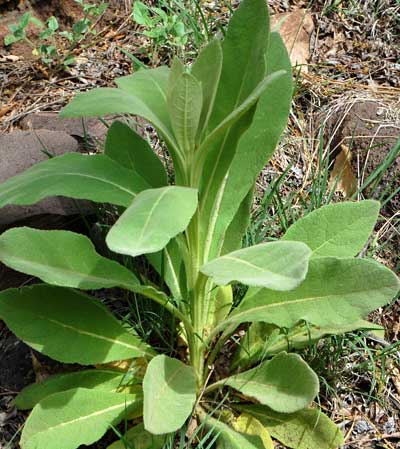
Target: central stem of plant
x,y
197,296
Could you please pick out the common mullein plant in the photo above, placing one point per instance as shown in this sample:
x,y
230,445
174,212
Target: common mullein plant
x,y
220,120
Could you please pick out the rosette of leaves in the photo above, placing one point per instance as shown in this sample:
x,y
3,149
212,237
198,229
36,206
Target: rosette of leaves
x,y
220,120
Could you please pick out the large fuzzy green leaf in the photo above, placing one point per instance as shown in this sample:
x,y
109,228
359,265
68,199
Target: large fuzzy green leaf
x,y
71,418
337,230
185,105
96,178
152,220
285,384
47,317
99,379
275,265
66,259
62,258
243,50
207,69
305,429
139,438
131,151
335,291
169,394
254,148
262,339
149,86
143,94
243,69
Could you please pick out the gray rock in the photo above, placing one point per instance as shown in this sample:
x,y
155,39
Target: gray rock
x,y
19,151
76,127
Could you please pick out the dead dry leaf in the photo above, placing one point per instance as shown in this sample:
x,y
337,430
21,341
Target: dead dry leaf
x,y
295,28
342,176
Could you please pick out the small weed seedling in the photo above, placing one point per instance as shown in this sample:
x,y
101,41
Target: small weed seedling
x,y
47,48
162,27
220,120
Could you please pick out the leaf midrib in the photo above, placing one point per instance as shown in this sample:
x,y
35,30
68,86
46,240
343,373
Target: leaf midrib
x,y
124,404
152,211
288,302
93,335
262,270
89,277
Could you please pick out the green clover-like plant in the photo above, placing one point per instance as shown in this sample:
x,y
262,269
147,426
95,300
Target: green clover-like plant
x,y
220,120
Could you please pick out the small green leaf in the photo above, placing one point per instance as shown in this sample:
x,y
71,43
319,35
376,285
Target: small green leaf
x,y
337,230
131,151
140,13
335,291
71,418
52,23
36,22
99,379
11,39
169,394
25,19
152,220
305,429
185,104
139,438
47,317
96,178
276,265
61,258
285,384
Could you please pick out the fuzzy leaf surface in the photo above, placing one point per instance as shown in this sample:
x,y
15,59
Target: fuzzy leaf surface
x,y
185,106
96,178
207,69
47,317
254,147
152,220
142,94
243,69
305,429
169,394
71,418
150,86
337,230
335,291
285,383
276,265
99,379
126,147
62,258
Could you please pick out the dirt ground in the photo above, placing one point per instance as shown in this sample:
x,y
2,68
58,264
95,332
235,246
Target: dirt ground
x,y
348,96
